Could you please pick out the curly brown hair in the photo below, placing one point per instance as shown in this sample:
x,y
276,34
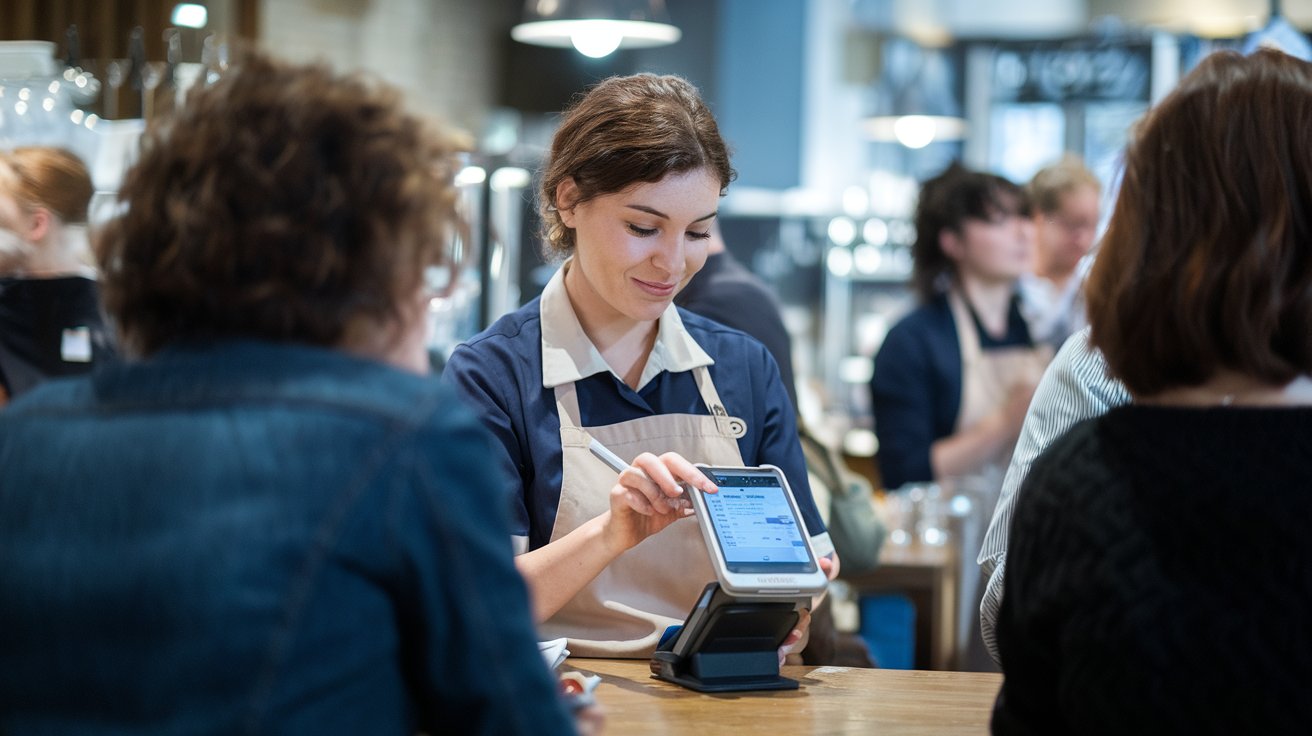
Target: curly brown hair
x,y
284,203
625,131
1207,261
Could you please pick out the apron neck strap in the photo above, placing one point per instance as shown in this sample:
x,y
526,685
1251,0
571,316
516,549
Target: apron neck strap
x,y
567,405
967,334
713,404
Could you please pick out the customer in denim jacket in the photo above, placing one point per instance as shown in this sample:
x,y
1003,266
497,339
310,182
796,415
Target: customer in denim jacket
x,y
269,521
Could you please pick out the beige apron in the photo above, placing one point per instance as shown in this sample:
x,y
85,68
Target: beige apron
x,y
986,381
625,609
987,378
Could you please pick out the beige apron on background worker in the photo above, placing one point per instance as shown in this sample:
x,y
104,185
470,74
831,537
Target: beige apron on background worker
x,y
625,609
987,379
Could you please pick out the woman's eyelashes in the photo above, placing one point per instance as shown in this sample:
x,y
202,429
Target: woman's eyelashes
x,y
646,232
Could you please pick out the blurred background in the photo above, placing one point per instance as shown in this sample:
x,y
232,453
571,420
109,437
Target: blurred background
x,y
835,109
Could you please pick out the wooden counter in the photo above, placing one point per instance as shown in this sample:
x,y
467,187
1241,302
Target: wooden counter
x,y
832,700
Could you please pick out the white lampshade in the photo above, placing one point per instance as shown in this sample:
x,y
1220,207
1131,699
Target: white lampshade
x,y
914,131
914,102
595,27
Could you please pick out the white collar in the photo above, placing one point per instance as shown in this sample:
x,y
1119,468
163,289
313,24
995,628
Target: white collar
x,y
568,355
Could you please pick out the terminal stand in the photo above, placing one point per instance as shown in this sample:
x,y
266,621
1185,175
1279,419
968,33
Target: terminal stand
x,y
729,644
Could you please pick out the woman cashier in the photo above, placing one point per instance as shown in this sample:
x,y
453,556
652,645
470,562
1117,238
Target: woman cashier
x,y
628,193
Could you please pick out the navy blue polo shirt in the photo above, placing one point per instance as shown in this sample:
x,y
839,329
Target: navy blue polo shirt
x,y
916,388
500,372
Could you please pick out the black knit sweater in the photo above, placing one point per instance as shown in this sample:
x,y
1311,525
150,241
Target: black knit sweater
x,y
1159,577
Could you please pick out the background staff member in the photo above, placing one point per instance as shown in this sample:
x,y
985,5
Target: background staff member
x,y
953,378
728,292
50,319
631,186
1065,200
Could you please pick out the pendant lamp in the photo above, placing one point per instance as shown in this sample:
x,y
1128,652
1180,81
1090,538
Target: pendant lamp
x,y
596,27
914,102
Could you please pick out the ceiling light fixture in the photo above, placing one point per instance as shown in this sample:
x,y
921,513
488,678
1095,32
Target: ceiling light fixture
x,y
190,15
915,131
596,28
914,102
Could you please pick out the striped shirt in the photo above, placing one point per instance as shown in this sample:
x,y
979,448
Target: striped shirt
x,y
1075,387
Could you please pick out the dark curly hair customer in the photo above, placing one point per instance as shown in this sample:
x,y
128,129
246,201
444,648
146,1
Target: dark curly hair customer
x,y
267,521
302,208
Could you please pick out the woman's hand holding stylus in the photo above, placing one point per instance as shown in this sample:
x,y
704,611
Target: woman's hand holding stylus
x,y
649,497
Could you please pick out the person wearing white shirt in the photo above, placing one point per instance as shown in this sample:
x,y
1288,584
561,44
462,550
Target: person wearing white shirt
x,y
1075,387
1065,199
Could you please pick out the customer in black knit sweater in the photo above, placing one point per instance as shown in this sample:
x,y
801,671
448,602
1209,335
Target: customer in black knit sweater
x,y
1160,567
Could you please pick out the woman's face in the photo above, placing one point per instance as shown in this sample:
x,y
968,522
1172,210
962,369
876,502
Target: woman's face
x,y
634,249
1000,248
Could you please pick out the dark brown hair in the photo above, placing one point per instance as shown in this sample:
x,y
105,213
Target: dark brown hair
x,y
1207,260
624,131
946,202
283,203
51,178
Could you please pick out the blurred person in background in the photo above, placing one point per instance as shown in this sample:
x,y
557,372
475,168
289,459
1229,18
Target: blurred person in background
x,y
631,185
51,322
267,519
1065,199
953,378
728,292
1074,387
1159,573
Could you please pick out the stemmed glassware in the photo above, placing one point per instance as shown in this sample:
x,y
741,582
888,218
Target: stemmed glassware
x,y
152,73
116,75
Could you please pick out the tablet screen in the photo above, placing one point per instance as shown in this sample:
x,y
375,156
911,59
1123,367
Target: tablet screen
x,y
755,525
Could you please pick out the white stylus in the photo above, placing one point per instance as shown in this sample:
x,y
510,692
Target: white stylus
x,y
615,463
611,459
